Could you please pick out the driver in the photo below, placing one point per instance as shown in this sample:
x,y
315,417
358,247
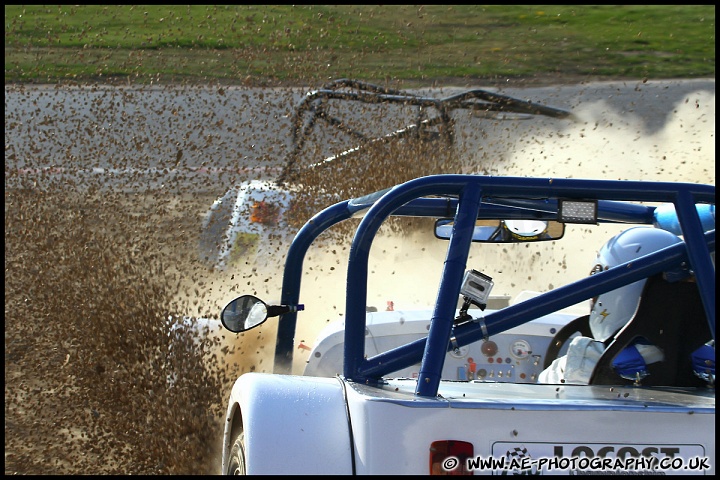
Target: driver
x,y
610,312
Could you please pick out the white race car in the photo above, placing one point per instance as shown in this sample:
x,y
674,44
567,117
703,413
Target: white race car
x,y
624,385
249,221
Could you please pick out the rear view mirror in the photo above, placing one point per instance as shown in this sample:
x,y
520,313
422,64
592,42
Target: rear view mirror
x,y
247,311
244,313
506,231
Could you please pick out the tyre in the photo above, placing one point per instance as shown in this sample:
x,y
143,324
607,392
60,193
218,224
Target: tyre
x,y
236,465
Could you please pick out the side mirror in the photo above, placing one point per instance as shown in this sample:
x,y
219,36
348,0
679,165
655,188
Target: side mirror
x,y
506,231
247,312
244,313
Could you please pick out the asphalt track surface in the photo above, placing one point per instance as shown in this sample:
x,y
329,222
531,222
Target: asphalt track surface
x,y
205,139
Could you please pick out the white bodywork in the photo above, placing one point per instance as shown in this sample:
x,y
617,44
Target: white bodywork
x,y
393,430
292,424
300,426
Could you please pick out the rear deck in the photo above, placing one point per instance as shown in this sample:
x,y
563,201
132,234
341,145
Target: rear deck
x,y
516,396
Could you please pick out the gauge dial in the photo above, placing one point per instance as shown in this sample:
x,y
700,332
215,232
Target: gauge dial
x,y
460,352
520,349
489,348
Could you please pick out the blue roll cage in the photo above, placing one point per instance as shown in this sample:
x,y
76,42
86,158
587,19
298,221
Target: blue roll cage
x,y
467,198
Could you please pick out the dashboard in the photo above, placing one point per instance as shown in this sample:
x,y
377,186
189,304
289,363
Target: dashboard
x,y
516,355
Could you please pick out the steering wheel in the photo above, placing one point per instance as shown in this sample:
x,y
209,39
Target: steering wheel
x,y
580,324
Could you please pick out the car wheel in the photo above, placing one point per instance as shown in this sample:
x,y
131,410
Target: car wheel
x,y
236,466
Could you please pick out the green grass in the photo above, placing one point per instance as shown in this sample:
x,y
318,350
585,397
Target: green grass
x,y
249,44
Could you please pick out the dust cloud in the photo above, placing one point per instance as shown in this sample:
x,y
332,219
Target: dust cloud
x,y
102,374
602,144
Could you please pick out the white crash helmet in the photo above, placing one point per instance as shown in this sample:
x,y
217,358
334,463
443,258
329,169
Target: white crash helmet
x,y
612,310
526,229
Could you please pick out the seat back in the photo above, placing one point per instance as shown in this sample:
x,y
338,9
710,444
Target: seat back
x,y
671,317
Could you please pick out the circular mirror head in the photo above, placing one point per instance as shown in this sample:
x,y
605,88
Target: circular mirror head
x,y
244,313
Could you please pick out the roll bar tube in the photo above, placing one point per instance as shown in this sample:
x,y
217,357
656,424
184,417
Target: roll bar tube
x,y
408,199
